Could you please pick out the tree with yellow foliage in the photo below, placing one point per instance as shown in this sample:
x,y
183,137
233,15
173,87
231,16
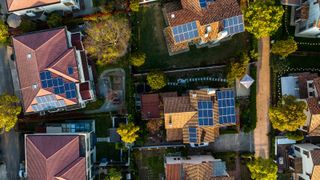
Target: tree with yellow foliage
x,y
288,115
237,70
128,132
9,111
4,33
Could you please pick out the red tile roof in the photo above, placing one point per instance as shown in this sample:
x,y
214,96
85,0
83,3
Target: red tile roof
x,y
14,5
177,104
76,40
173,171
49,156
85,91
191,11
48,50
303,85
313,105
150,106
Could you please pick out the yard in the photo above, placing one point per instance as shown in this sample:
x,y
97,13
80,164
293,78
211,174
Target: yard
x,y
150,40
107,150
103,123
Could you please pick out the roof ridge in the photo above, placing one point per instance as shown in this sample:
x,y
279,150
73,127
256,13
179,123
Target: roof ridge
x,y
58,59
69,169
75,138
64,29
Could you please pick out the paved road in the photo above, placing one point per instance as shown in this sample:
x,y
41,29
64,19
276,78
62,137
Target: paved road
x,y
11,143
261,138
233,142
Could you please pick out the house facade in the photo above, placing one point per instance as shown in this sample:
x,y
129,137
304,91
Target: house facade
x,y
203,167
195,118
32,8
305,87
201,22
305,16
53,71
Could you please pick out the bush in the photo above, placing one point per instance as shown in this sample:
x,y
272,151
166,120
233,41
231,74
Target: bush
x,y
54,20
27,26
295,135
284,47
156,80
4,33
137,59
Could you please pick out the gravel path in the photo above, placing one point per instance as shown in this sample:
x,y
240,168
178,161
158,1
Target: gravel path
x,y
261,139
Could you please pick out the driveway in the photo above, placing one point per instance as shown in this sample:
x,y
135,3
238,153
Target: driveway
x,y
233,142
261,138
11,142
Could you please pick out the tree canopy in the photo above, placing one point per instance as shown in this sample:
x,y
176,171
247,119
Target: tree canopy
x,y
113,174
295,135
54,20
238,69
134,5
9,111
263,18
288,115
284,47
137,59
4,33
156,80
128,132
263,169
108,38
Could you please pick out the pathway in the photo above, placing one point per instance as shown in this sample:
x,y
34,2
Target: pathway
x,y
233,142
261,139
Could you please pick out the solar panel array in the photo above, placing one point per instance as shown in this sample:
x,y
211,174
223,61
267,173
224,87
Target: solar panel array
x,y
58,85
203,3
226,106
192,134
234,25
47,102
205,113
185,32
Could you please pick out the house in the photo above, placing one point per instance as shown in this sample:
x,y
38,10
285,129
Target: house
x,y
59,156
305,16
196,118
283,147
152,105
304,161
305,87
34,8
200,22
53,71
203,167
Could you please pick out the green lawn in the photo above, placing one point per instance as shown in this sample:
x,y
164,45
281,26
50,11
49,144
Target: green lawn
x,y
150,39
103,123
107,150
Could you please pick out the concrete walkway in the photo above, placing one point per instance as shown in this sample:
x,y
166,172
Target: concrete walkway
x,y
233,142
261,138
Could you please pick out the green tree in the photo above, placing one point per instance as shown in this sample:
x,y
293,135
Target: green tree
x,y
9,111
113,174
237,70
156,80
4,32
295,135
54,20
27,25
284,47
134,5
137,59
128,132
263,18
263,169
107,38
288,115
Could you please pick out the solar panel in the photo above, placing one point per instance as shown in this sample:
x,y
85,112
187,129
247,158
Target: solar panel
x,y
234,25
185,32
203,3
226,106
58,85
47,102
205,113
193,134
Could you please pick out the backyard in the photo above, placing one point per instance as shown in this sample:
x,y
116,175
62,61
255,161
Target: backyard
x,y
150,40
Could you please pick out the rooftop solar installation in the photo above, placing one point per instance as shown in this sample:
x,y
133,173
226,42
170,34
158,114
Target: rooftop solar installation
x,y
185,32
226,106
47,102
205,113
193,134
58,85
234,25
203,3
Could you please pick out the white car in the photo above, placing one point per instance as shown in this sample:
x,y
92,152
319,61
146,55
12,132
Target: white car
x,y
22,171
199,145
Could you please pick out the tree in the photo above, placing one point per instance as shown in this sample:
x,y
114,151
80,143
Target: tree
x,y
128,132
156,80
9,111
288,115
27,25
263,169
107,38
263,18
4,33
295,135
134,5
238,69
54,20
154,126
113,174
137,59
284,47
